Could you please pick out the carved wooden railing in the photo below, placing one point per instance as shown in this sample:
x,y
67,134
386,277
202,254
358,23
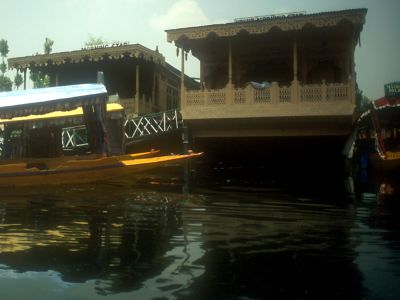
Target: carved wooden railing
x,y
211,97
262,95
285,94
338,92
273,94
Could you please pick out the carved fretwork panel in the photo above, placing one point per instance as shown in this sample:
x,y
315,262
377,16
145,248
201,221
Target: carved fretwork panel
x,y
298,23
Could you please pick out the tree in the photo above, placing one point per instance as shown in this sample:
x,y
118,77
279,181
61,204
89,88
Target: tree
x,y
4,48
3,67
362,101
48,45
5,82
18,80
40,79
94,41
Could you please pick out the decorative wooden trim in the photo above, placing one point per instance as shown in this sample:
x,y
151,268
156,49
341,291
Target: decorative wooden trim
x,y
290,23
134,51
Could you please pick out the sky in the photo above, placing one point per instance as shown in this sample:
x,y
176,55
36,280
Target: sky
x,y
25,24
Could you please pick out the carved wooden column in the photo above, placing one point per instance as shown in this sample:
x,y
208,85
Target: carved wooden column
x,y
137,95
295,59
57,80
153,87
295,83
202,74
183,100
352,79
229,87
230,62
25,79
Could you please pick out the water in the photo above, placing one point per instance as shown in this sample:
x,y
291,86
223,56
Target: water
x,y
126,242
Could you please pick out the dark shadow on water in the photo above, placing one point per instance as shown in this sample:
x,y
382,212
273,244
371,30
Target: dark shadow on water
x,y
305,167
289,230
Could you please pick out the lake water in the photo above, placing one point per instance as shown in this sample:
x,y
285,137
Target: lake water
x,y
152,242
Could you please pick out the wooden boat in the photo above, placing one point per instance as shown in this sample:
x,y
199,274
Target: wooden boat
x,y
73,171
57,169
376,133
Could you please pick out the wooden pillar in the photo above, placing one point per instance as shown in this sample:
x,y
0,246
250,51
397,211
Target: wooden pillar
x,y
57,80
229,62
295,83
229,87
295,59
25,79
352,66
183,100
202,74
153,87
352,81
137,94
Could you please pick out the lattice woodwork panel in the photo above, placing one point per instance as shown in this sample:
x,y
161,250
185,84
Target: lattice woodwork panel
x,y
262,95
311,93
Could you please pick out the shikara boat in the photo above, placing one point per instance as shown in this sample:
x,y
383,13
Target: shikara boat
x,y
376,132
28,167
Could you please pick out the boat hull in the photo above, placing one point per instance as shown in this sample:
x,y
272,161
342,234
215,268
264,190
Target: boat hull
x,y
78,171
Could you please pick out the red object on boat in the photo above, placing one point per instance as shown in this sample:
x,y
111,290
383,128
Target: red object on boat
x,y
385,102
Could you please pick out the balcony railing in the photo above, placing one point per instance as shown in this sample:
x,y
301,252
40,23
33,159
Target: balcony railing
x,y
271,94
276,97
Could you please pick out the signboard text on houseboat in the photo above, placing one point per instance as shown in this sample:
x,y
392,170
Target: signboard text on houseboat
x,y
392,90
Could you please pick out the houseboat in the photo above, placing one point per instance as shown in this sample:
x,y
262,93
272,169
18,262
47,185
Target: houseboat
x,y
377,132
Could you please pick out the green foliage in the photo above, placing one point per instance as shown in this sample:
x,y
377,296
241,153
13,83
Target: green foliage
x,y
3,67
94,41
4,48
18,80
39,79
48,45
5,83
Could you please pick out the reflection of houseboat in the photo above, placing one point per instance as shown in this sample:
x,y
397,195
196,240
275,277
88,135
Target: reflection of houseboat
x,y
377,131
41,161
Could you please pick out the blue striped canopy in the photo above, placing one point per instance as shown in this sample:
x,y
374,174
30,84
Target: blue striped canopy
x,y
45,100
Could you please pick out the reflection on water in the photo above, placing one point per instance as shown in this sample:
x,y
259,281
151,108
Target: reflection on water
x,y
128,243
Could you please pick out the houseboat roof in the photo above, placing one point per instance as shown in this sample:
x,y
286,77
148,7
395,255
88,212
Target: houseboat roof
x,y
263,24
94,53
45,100
386,102
77,112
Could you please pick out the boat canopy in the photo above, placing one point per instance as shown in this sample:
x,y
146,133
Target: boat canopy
x,y
45,100
114,109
